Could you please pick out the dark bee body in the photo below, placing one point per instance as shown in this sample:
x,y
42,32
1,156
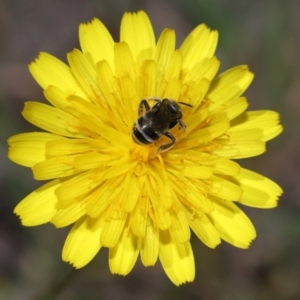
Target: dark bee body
x,y
155,122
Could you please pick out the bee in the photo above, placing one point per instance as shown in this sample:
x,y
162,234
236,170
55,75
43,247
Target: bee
x,y
156,121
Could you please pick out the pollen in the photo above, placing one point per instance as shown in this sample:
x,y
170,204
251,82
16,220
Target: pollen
x,y
143,153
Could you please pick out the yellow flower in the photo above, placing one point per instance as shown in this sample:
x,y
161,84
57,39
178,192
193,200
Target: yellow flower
x,y
134,199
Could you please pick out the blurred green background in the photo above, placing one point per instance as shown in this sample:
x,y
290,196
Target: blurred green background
x,y
262,34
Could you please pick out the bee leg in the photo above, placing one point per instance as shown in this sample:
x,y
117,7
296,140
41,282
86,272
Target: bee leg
x,y
182,124
143,107
166,147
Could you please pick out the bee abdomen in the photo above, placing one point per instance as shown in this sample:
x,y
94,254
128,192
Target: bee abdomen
x,y
143,135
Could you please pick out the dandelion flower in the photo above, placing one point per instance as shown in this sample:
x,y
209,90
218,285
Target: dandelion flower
x,y
135,199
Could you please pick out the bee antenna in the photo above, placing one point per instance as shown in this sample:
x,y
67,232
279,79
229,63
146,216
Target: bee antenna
x,y
186,104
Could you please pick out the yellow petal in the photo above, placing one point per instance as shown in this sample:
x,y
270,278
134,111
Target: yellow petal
x,y
255,125
79,106
199,116
173,89
177,259
55,167
28,149
122,167
123,256
137,32
219,165
171,74
232,224
77,187
222,165
164,51
131,101
202,227
214,130
82,109
48,70
146,84
139,216
104,195
161,184
208,70
239,149
96,42
132,189
112,226
149,247
192,192
199,46
52,119
69,214
85,73
82,243
235,107
111,91
57,98
204,230
258,191
40,206
124,61
193,93
162,216
180,230
93,160
224,189
108,85
229,85
191,169
107,132
65,146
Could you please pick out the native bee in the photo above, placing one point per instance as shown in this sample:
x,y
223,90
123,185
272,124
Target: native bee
x,y
156,121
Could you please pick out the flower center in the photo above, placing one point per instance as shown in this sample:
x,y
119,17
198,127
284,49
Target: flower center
x,y
143,153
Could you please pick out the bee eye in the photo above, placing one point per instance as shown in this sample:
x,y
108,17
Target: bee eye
x,y
175,111
157,105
